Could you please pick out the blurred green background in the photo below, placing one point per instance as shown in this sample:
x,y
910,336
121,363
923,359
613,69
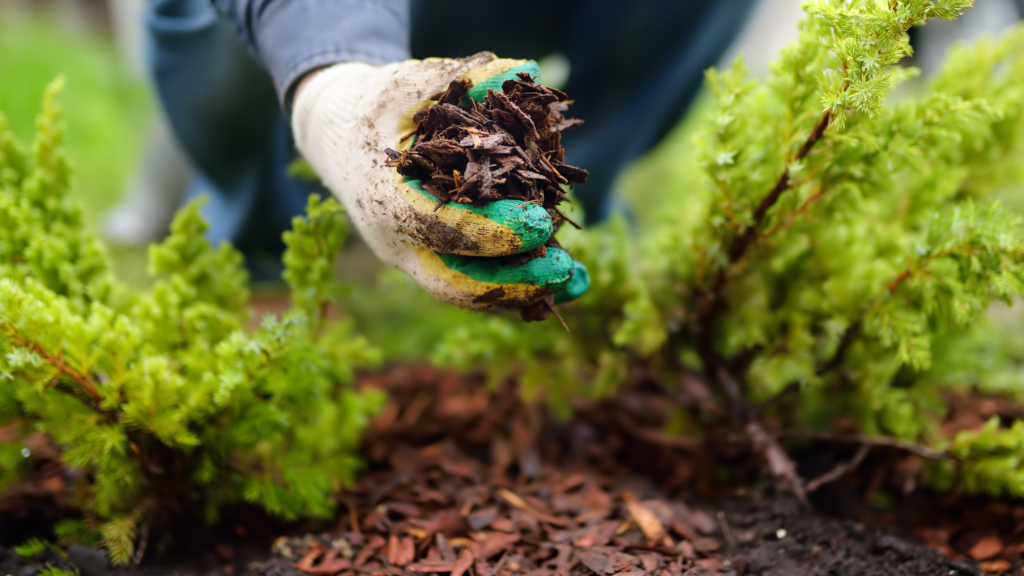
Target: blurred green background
x,y
107,108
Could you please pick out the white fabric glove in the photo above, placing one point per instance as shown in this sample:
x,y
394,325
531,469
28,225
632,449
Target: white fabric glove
x,y
348,114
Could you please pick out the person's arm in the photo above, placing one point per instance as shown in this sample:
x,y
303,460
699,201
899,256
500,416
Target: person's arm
x,y
294,37
346,117
356,106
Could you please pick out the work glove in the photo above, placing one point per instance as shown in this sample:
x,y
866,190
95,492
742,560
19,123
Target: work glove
x,y
347,115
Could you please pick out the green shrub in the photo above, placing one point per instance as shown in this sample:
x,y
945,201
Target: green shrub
x,y
838,260
835,265
164,399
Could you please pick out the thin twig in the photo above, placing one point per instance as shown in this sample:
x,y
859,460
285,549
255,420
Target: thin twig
x,y
779,396
546,162
353,517
567,219
140,552
845,341
840,470
779,463
732,389
501,562
551,308
58,362
708,305
408,135
885,441
726,532
655,436
792,216
899,280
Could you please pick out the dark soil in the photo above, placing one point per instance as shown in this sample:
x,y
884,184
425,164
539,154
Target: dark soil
x,y
464,481
778,537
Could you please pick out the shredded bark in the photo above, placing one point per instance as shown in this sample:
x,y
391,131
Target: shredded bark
x,y
466,481
463,479
508,147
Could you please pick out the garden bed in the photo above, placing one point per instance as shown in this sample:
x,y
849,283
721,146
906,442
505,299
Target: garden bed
x,y
466,481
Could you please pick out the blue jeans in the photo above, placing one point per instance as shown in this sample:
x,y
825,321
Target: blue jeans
x,y
636,66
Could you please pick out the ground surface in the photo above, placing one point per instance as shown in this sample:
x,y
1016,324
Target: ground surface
x,y
463,481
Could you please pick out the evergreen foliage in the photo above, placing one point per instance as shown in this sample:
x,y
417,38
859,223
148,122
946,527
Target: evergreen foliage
x,y
51,570
838,261
164,399
30,547
836,265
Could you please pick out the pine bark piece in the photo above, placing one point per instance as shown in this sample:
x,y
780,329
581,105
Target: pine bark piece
x,y
401,551
494,543
463,563
513,499
649,524
986,548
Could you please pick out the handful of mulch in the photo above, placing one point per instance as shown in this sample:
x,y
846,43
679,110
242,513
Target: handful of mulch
x,y
508,147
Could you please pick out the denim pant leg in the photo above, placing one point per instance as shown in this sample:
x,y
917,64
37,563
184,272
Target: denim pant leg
x,y
224,111
635,65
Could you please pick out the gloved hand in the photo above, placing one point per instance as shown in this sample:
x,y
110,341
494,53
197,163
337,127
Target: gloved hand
x,y
344,118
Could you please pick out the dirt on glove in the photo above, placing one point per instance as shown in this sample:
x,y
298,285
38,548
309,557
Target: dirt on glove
x,y
508,147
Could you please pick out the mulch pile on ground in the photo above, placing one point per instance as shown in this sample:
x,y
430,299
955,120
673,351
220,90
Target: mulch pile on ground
x,y
470,482
463,480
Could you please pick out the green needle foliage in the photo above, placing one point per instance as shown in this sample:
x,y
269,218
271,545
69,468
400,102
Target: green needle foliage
x,y
838,261
165,400
833,272
30,547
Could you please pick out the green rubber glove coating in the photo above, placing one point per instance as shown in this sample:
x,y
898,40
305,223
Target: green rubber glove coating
x,y
551,271
528,221
569,279
479,91
576,286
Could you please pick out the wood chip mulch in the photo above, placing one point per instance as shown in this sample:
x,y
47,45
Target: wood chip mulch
x,y
462,488
469,481
466,480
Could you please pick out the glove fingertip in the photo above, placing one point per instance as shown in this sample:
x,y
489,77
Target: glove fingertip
x,y
530,222
577,285
551,271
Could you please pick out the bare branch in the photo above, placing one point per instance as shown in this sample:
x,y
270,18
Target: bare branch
x,y
58,362
779,463
884,441
708,306
840,469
